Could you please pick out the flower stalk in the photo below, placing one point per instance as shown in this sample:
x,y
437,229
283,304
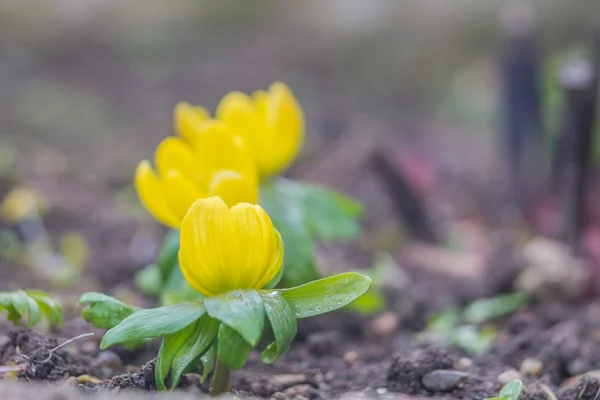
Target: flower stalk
x,y
220,380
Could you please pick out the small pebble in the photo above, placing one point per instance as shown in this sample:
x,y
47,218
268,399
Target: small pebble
x,y
532,367
89,347
298,391
386,324
289,380
71,381
350,358
108,359
463,364
443,380
381,390
4,341
508,376
572,381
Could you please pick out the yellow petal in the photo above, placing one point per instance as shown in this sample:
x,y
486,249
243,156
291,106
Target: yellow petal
x,y
21,203
224,249
218,148
233,187
150,190
285,122
238,110
180,193
201,250
175,154
252,247
188,119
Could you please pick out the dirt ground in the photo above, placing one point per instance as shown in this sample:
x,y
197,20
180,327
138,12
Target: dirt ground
x,y
81,107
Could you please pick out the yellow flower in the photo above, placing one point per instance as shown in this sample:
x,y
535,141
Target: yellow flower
x,y
21,203
208,159
270,122
226,248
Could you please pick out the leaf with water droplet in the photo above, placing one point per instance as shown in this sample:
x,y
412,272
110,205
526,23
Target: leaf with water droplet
x,y
327,294
283,324
241,310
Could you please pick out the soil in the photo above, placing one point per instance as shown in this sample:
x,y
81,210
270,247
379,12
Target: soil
x,y
342,355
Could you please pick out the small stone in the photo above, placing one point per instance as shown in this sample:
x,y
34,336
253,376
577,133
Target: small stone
x,y
443,380
463,364
299,392
329,376
572,381
72,382
531,367
4,341
289,380
386,324
508,376
350,358
194,381
381,391
108,359
89,347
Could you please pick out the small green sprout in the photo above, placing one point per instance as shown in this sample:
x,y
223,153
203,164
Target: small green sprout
x,y
468,328
33,303
511,391
233,258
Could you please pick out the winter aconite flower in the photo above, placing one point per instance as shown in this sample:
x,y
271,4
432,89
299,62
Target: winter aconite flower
x,y
21,203
270,122
225,248
207,159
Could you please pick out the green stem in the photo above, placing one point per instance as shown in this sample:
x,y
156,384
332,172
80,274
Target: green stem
x,y
220,380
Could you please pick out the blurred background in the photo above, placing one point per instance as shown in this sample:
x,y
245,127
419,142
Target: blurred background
x,y
87,90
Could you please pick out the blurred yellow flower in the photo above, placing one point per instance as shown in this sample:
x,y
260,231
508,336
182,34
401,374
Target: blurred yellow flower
x,y
208,159
21,203
270,122
224,248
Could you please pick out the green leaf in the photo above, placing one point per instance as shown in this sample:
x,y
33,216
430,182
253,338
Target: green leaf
x,y
241,310
168,254
180,349
333,216
104,312
325,213
33,312
50,309
206,330
369,303
233,349
298,262
327,294
286,212
34,303
167,352
283,323
472,340
152,323
512,390
486,309
19,301
148,279
208,361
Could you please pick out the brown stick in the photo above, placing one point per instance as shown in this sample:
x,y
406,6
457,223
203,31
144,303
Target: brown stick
x,y
409,207
575,142
521,133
